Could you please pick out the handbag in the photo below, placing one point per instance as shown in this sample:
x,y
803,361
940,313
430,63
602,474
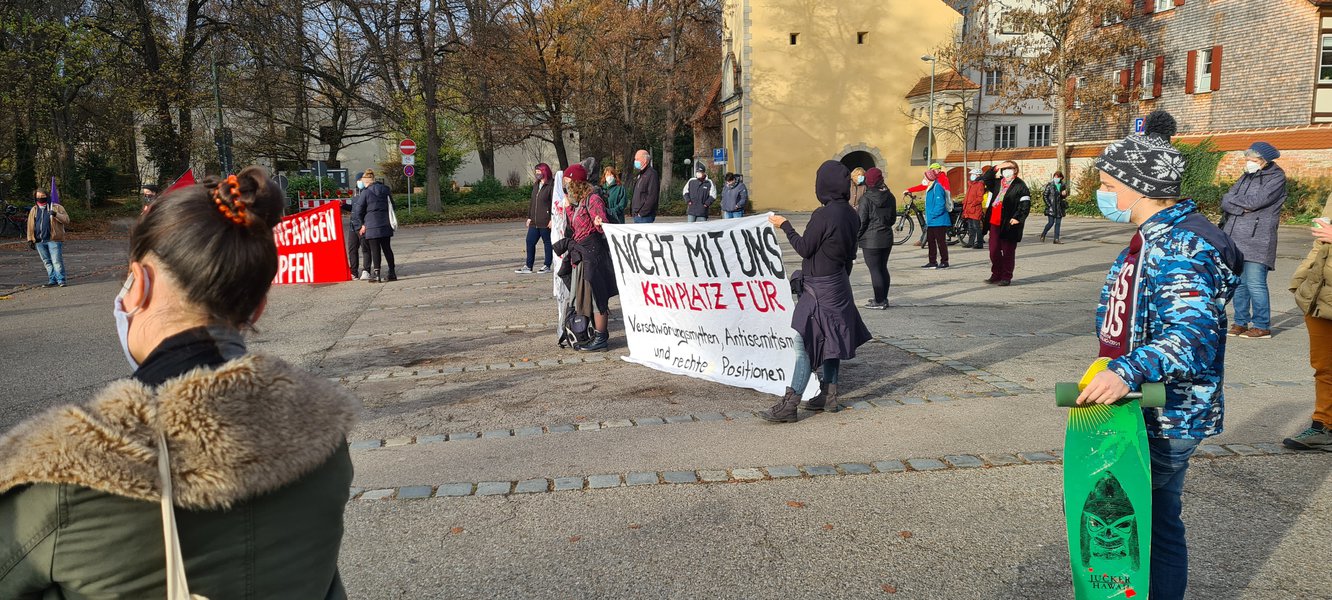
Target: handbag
x,y
393,215
177,586
798,283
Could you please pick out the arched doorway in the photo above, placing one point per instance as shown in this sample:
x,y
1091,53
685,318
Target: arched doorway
x,y
859,158
921,147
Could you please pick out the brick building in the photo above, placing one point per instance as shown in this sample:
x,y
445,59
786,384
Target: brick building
x,y
1233,71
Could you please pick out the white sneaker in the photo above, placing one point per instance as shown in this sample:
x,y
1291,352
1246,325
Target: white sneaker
x,y
365,275
543,270
524,270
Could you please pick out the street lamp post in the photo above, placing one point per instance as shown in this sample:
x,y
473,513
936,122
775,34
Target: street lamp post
x,y
929,144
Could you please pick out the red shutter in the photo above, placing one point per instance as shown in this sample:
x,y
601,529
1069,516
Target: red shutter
x,y
1137,80
1123,86
1148,7
1179,2
1160,76
1216,68
1070,92
1191,73
1128,8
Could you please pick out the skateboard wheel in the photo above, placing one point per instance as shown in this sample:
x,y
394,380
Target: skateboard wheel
x,y
1066,394
1153,395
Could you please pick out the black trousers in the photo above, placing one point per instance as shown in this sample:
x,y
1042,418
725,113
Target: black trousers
x,y
876,260
358,252
380,246
974,238
937,239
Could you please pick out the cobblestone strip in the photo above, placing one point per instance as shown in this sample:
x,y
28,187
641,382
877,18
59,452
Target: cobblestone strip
x,y
642,422
463,303
950,462
1004,386
570,359
520,326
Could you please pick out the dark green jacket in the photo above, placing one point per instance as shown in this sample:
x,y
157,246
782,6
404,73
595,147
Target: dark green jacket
x,y
261,472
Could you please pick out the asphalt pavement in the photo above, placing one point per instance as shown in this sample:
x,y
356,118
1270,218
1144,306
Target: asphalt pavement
x,y
492,464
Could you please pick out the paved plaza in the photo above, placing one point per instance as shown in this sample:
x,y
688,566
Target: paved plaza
x,y
492,464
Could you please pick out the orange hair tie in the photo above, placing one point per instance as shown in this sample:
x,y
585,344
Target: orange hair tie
x,y
231,208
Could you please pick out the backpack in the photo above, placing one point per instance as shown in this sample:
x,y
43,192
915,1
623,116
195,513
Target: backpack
x,y
577,329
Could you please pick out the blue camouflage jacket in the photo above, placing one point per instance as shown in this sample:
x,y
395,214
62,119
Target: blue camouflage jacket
x,y
1189,270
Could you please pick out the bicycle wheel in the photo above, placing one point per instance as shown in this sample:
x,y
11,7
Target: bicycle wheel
x,y
903,229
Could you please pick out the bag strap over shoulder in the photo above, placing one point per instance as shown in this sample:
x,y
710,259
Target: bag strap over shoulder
x,y
177,586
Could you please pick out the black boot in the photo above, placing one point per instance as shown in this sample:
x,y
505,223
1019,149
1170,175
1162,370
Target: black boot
x,y
393,274
784,411
817,403
374,276
599,343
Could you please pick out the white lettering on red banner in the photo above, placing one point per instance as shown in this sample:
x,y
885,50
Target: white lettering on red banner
x,y
310,248
709,300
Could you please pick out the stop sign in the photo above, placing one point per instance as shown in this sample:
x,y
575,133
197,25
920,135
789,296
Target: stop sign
x,y
407,146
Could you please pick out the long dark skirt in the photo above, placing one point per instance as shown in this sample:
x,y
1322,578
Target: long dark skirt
x,y
827,319
598,271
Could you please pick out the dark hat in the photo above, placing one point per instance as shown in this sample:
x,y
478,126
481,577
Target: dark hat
x,y
699,167
1147,163
873,177
1264,151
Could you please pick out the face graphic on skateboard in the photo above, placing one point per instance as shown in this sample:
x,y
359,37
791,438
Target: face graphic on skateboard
x,y
1109,525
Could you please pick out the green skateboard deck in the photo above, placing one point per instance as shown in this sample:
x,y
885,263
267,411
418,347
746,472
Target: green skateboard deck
x,y
1108,492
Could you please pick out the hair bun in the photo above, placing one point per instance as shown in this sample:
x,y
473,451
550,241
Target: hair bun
x,y
263,195
1160,124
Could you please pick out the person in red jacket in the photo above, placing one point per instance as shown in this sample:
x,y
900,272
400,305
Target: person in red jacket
x,y
972,210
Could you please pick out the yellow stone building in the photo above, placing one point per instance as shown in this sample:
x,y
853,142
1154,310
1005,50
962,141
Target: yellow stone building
x,y
804,81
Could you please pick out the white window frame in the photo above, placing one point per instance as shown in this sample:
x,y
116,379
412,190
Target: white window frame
x,y
1324,64
1114,85
1046,128
1148,82
1007,26
1164,5
992,79
1112,17
1079,85
1203,83
1011,138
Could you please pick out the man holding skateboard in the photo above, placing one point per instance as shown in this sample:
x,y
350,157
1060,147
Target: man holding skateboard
x,y
1162,318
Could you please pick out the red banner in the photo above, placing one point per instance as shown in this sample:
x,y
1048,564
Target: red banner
x,y
310,248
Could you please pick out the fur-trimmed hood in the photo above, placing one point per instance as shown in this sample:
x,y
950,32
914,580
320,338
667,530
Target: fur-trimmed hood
x,y
245,428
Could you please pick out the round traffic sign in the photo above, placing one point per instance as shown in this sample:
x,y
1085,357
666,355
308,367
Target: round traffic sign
x,y
407,146
409,170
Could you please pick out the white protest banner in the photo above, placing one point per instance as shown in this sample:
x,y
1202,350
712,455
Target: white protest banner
x,y
709,300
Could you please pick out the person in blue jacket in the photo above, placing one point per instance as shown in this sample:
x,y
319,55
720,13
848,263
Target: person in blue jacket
x,y
1162,317
937,218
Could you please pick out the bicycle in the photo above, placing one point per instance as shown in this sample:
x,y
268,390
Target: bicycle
x,y
906,225
15,218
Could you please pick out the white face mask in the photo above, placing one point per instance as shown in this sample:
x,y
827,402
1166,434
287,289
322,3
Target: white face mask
x,y
1008,173
700,176
123,318
975,177
925,182
1056,180
1252,166
610,179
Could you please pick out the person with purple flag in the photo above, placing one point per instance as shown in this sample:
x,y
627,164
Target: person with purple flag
x,y
46,234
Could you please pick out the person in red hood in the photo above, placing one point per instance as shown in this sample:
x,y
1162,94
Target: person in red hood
x,y
973,209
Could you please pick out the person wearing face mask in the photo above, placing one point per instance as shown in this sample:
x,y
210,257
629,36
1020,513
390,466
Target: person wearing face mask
x,y
358,251
1056,205
1252,211
149,192
857,186
828,328
617,201
1162,318
937,217
877,212
973,209
699,194
1004,218
254,449
647,189
593,277
538,219
735,197
46,235
376,226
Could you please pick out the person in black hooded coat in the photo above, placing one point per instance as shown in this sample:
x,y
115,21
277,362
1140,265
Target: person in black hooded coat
x,y
828,326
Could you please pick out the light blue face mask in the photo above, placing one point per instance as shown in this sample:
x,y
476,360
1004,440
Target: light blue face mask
x,y
1108,202
638,164
860,179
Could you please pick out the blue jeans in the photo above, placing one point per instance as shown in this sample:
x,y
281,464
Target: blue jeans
x,y
533,234
1252,305
650,219
695,219
1170,553
831,367
733,214
53,256
1052,222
